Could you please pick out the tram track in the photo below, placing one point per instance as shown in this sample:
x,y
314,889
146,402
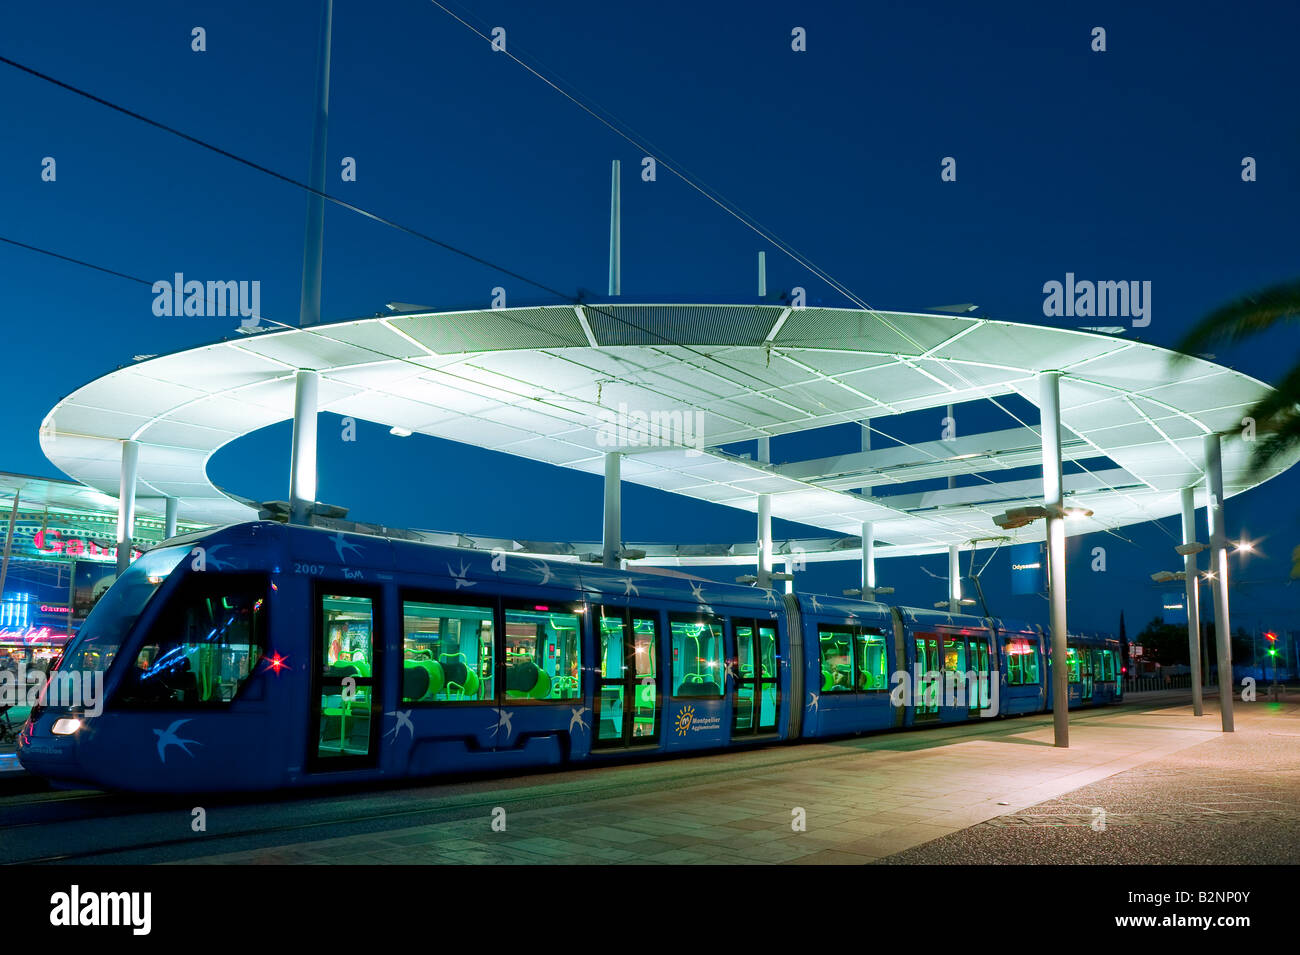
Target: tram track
x,y
341,811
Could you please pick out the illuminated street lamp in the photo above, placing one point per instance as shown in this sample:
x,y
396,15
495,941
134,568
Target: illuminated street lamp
x,y
1018,517
1053,510
1164,576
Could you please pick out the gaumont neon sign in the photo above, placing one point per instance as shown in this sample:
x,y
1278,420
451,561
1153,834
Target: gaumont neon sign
x,y
52,542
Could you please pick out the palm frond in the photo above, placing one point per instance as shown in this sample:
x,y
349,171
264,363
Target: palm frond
x,y
1244,317
1283,436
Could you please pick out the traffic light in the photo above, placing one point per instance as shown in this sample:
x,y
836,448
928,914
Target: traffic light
x,y
1271,637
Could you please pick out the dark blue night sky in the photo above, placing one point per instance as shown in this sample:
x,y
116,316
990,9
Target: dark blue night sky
x,y
1117,165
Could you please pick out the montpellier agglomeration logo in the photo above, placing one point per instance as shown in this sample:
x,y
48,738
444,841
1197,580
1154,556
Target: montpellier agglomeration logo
x,y
178,297
624,428
682,725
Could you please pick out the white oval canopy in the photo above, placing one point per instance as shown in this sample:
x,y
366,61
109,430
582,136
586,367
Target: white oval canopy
x,y
549,383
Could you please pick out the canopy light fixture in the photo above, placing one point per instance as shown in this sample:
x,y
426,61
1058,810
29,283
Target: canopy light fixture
x,y
1018,517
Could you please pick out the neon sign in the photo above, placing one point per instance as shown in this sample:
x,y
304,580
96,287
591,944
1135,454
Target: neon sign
x,y
31,636
53,542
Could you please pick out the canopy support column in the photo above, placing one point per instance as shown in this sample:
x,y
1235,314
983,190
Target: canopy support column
x,y
868,560
9,542
126,504
613,526
302,464
314,239
1049,408
765,522
954,578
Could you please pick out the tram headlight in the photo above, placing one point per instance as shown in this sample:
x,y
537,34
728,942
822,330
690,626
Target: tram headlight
x,y
66,726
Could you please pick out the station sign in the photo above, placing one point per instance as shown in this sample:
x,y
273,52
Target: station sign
x,y
1028,568
1173,608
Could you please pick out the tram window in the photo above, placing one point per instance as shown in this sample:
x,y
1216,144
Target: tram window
x,y
1022,662
611,635
954,654
1108,666
447,653
348,634
645,647
697,656
543,654
837,658
1072,664
203,648
871,660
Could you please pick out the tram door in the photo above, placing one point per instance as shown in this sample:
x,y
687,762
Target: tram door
x,y
346,695
928,678
756,699
1085,665
954,670
628,691
977,696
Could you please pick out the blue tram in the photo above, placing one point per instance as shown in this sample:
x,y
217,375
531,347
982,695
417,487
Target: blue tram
x,y
261,656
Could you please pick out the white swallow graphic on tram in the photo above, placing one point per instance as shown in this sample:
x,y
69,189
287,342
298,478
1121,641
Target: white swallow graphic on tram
x,y
403,722
342,544
816,605
771,596
503,719
629,587
577,720
210,557
812,704
698,591
168,737
544,569
460,578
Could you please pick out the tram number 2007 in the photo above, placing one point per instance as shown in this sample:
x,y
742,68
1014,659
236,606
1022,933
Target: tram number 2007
x,y
314,569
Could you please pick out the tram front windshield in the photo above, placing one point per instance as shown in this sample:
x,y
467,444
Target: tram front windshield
x,y
117,611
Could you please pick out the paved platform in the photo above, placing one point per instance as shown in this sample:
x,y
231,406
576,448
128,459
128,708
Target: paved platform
x,y
870,799
1234,800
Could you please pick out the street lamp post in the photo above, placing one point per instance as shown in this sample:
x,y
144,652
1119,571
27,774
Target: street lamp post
x,y
1189,549
1219,566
